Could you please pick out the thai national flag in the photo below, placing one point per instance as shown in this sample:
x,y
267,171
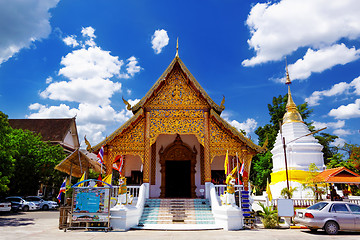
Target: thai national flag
x,y
121,164
241,171
62,190
101,155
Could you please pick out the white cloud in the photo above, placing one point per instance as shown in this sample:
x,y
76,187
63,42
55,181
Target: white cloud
x,y
342,132
94,90
337,89
351,110
92,120
159,40
90,63
91,80
88,32
22,23
339,142
71,41
248,126
278,29
334,125
61,111
49,80
325,58
132,67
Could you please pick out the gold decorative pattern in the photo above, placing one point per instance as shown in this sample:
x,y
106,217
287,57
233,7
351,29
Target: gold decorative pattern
x,y
176,93
207,155
177,108
146,169
131,142
178,65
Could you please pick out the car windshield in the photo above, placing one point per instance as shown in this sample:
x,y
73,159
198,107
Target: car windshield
x,y
318,206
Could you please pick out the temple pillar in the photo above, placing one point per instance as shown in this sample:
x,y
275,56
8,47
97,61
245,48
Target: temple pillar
x,y
207,160
146,169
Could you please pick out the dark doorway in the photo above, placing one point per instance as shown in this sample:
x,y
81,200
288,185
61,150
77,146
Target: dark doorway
x,y
178,179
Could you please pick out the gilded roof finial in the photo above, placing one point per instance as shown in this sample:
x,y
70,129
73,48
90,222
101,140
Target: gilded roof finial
x,y
222,103
177,48
292,114
128,106
288,81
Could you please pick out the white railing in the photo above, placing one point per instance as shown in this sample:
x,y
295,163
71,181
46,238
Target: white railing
x,y
220,189
310,201
133,190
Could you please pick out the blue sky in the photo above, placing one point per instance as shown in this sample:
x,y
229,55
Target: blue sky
x,y
61,58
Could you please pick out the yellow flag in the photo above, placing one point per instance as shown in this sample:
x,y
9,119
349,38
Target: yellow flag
x,y
108,179
349,190
226,163
268,191
82,179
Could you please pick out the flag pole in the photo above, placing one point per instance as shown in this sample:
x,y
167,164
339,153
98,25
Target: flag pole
x,y
238,169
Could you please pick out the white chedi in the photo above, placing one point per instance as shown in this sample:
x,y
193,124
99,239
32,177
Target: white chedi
x,y
302,149
300,154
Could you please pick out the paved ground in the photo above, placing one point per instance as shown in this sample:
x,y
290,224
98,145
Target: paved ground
x,y
44,225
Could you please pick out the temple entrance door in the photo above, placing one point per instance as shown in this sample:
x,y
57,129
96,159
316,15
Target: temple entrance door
x,y
178,179
178,162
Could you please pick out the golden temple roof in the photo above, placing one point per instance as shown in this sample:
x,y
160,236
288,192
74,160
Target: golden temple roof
x,y
190,77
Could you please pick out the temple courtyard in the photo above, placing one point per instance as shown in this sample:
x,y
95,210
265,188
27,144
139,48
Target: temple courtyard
x,y
44,225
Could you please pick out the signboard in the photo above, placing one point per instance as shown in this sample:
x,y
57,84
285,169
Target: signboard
x,y
91,204
285,207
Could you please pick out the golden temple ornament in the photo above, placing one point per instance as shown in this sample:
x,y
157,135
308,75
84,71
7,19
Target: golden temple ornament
x,y
292,114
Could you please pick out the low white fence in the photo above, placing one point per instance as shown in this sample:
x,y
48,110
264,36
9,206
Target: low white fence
x,y
133,190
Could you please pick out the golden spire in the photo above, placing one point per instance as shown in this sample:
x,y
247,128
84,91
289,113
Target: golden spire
x,y
177,48
292,114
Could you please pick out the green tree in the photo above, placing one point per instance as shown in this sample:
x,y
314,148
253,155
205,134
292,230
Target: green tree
x,y
34,163
7,162
312,183
337,160
326,139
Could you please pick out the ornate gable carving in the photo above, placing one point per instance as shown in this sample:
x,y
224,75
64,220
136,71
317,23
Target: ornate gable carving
x,y
222,140
131,141
177,108
176,93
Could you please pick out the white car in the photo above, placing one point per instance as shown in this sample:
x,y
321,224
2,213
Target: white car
x,y
43,204
330,216
24,205
5,205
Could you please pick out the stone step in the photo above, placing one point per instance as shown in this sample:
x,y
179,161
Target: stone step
x,y
176,212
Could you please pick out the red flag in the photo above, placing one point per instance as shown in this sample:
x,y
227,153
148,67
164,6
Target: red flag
x,y
101,155
99,184
118,163
241,171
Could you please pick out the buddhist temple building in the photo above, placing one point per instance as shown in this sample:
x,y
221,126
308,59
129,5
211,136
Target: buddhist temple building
x,y
176,139
301,150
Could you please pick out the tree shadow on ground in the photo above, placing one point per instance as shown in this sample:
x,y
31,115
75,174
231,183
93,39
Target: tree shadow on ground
x,y
8,220
323,233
